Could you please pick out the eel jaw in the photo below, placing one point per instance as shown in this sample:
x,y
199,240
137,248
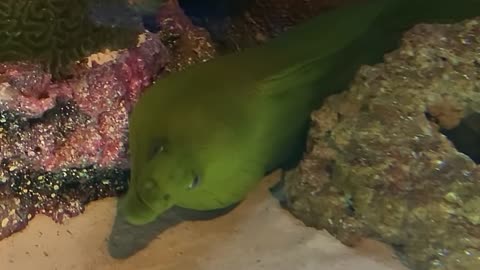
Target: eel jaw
x,y
135,210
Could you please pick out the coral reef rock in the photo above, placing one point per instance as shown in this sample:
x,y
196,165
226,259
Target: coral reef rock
x,y
382,161
265,19
56,33
63,143
188,44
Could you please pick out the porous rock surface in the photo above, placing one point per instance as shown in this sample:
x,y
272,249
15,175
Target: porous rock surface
x,y
378,164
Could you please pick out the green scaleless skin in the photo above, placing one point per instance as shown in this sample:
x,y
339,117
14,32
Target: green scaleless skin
x,y
202,138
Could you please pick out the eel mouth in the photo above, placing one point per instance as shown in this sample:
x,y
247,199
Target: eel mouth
x,y
135,210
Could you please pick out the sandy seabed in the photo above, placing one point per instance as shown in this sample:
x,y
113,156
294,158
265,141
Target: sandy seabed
x,y
256,235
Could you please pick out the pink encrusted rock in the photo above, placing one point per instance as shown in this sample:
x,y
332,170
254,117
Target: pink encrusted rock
x,y
63,143
104,95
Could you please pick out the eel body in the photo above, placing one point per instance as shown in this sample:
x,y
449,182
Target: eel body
x,y
202,138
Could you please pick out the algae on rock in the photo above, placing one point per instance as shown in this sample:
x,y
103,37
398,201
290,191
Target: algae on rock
x,y
379,164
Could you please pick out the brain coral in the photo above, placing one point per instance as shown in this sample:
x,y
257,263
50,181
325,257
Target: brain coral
x,y
55,33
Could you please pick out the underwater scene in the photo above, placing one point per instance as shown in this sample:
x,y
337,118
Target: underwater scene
x,y
239,134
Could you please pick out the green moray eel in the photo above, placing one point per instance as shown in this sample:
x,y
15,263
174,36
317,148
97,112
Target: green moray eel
x,y
202,138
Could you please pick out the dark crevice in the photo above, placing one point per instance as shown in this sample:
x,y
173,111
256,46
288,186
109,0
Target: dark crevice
x,y
476,63
329,168
349,203
431,118
466,136
214,15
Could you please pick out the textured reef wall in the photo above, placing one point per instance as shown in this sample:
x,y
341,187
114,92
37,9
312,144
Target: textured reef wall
x,y
378,164
246,23
63,142
265,19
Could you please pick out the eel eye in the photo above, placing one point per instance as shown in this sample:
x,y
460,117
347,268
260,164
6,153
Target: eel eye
x,y
157,147
195,181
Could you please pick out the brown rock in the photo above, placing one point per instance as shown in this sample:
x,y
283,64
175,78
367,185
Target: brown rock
x,y
378,164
